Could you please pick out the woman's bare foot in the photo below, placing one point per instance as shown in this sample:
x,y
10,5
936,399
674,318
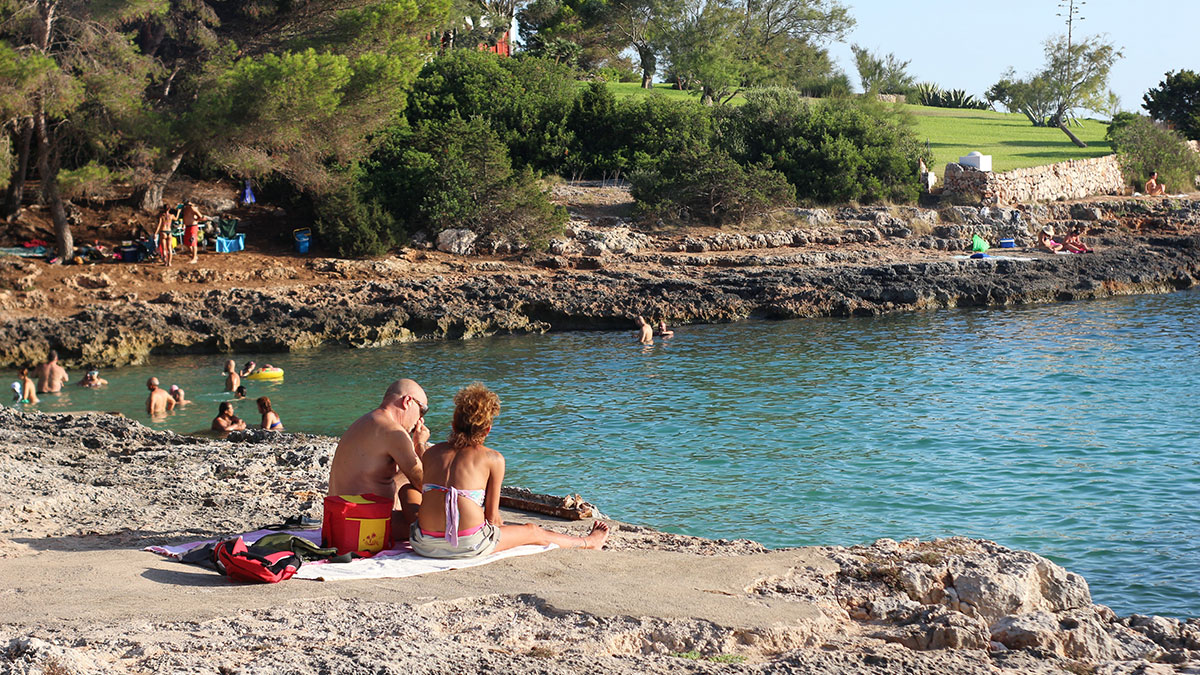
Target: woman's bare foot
x,y
596,538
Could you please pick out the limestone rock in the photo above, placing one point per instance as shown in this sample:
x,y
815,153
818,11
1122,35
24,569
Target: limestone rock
x,y
1079,634
458,242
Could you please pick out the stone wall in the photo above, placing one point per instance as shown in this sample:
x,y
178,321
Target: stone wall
x,y
1072,179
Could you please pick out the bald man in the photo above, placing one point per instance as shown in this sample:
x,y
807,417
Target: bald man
x,y
381,452
159,401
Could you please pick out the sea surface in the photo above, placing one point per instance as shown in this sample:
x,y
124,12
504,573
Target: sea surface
x,y
1069,430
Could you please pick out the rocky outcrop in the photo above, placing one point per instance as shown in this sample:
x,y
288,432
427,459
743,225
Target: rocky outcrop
x,y
93,483
869,265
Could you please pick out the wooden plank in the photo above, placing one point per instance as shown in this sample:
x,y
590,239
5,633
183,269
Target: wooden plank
x,y
571,507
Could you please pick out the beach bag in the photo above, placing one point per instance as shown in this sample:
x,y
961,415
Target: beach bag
x,y
979,244
357,523
237,562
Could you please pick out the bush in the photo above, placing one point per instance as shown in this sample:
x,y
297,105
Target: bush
x,y
456,174
350,228
1119,122
1144,147
831,151
708,186
614,137
1176,100
929,94
88,181
525,100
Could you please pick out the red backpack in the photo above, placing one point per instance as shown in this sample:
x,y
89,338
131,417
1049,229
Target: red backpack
x,y
237,562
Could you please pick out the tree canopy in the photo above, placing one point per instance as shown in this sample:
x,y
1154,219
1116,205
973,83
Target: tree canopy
x,y
1176,101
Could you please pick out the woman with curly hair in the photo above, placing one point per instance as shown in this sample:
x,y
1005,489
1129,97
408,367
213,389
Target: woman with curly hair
x,y
466,523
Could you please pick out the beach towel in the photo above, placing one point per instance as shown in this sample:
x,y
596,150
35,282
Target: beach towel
x,y
392,563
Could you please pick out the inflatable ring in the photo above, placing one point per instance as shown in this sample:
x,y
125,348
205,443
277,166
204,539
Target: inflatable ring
x,y
266,374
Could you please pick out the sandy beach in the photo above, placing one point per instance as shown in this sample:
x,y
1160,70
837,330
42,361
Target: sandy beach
x,y
82,494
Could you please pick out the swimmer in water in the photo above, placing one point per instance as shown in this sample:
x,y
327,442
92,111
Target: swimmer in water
x,y
28,392
645,332
239,393
270,418
226,421
177,394
232,378
93,380
663,331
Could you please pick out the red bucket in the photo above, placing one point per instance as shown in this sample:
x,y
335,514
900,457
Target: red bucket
x,y
360,523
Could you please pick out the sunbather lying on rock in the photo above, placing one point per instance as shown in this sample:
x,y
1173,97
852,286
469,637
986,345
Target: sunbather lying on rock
x,y
1046,240
465,521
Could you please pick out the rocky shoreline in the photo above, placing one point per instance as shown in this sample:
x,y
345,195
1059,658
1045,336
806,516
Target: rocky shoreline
x,y
80,494
842,262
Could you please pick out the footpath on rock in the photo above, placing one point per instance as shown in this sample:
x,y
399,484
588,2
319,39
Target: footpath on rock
x,y
806,262
81,494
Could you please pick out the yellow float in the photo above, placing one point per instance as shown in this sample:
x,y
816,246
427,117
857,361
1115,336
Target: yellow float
x,y
266,374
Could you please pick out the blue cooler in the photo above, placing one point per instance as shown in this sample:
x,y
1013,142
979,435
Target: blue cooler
x,y
231,244
302,237
1008,243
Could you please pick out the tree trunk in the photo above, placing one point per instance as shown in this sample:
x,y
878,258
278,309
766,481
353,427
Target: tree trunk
x,y
16,187
149,196
48,173
649,64
1074,139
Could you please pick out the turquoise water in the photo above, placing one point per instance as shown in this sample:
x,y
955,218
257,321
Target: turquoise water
x,y
1064,429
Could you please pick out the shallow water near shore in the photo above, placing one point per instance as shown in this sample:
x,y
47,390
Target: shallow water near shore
x,y
1069,429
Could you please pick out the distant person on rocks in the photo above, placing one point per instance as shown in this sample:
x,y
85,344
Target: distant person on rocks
x,y
1046,240
93,380
1155,188
226,421
50,376
270,419
663,331
1073,243
232,378
380,454
645,331
464,522
179,396
26,392
162,235
159,401
191,229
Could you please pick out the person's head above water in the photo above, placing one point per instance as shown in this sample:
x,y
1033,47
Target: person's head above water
x,y
230,366
240,392
475,407
264,405
53,356
152,383
225,407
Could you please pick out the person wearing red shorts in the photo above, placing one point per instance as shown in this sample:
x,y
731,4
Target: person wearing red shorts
x,y
191,229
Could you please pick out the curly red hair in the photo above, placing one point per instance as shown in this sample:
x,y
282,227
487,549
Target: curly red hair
x,y
475,406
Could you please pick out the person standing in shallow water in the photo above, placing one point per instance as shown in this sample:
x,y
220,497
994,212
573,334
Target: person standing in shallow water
x,y
464,521
645,331
26,391
50,376
232,378
226,421
159,401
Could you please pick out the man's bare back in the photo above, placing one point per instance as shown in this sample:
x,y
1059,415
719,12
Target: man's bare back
x,y
381,451
50,375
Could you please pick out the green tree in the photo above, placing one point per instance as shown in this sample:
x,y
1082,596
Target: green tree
x,y
882,74
1176,101
1143,148
83,77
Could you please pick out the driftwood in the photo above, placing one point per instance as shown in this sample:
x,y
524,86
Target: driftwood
x,y
571,507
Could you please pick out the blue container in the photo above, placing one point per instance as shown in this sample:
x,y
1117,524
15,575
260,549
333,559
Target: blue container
x,y
1008,243
302,237
231,244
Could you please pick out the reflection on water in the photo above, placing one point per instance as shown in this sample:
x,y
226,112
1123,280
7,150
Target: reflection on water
x,y
1064,429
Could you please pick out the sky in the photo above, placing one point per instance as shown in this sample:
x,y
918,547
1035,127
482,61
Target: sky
x,y
968,44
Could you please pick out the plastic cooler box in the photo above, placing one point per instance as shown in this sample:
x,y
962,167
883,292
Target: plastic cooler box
x,y
360,523
1008,243
231,244
302,237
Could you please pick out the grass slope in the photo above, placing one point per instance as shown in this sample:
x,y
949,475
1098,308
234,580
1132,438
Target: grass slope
x,y
1010,139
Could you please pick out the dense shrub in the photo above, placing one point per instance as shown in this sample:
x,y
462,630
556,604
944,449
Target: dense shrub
x,y
1176,100
708,185
347,226
836,150
1144,147
456,174
929,94
525,100
1119,122
614,137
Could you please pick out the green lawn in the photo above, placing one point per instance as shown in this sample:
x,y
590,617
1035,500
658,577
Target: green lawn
x,y
1010,139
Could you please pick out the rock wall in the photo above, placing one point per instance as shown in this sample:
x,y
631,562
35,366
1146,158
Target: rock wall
x,y
1074,179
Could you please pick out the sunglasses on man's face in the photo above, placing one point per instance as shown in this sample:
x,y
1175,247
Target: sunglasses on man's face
x,y
420,406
